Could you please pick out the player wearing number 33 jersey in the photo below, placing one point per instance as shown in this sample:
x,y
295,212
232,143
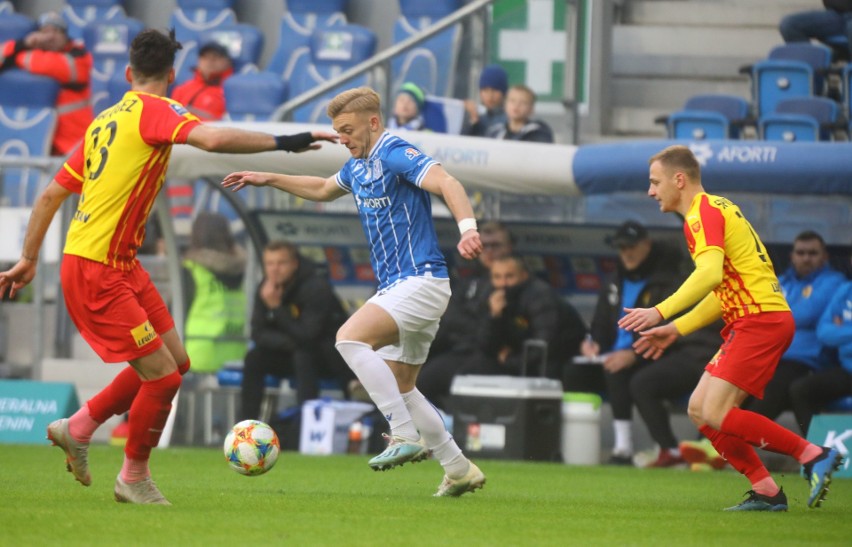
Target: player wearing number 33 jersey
x,y
118,171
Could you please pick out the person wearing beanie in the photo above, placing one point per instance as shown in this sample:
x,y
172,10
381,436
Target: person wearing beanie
x,y
519,125
408,108
493,84
49,51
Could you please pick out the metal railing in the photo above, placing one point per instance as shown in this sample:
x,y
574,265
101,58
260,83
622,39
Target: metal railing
x,y
476,10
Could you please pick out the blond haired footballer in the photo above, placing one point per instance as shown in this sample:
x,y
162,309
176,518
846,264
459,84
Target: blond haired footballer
x,y
387,340
734,280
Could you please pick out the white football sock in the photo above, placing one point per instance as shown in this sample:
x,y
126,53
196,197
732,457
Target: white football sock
x,y
623,438
376,377
435,435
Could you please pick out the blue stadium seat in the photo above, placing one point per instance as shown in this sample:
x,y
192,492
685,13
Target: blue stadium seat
x,y
443,114
6,8
80,13
300,20
800,119
431,65
244,42
190,19
251,97
708,117
14,26
791,70
333,51
27,123
108,42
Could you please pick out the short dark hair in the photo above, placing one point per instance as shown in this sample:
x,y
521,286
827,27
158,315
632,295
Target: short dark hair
x,y
518,261
810,235
152,54
212,231
282,245
496,227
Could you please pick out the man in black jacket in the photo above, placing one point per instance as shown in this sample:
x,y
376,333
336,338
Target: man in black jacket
x,y
823,25
648,272
295,318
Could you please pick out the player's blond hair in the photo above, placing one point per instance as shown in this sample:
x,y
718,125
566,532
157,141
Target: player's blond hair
x,y
359,99
679,158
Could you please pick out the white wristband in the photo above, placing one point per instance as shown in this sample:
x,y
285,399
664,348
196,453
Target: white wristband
x,y
466,224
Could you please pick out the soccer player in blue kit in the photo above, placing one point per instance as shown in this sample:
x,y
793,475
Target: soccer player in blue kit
x,y
387,340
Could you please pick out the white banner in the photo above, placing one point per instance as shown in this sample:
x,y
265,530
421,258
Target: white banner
x,y
13,226
479,163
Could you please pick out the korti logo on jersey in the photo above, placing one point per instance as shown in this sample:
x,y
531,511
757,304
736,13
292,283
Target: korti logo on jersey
x,y
143,334
411,153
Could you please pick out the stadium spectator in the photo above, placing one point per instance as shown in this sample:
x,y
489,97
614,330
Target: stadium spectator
x,y
734,280
811,394
203,94
213,267
808,285
519,125
295,317
108,294
647,272
456,341
408,108
48,51
493,84
835,20
387,340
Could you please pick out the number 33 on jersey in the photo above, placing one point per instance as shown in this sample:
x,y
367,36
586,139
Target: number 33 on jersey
x,y
118,170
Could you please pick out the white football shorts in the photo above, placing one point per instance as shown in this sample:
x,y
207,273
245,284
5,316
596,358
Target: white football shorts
x,y
416,304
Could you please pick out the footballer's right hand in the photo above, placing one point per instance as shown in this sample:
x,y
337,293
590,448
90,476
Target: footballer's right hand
x,y
18,277
241,179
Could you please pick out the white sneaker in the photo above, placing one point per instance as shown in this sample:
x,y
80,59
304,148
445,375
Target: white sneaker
x,y
399,451
76,454
142,492
473,479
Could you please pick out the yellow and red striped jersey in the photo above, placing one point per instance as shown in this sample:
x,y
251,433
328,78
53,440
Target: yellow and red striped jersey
x,y
118,170
749,284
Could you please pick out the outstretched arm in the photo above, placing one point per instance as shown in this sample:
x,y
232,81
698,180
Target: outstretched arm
x,y
706,276
239,141
312,188
441,183
44,210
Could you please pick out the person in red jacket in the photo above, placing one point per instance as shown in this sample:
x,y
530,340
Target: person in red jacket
x,y
49,51
203,95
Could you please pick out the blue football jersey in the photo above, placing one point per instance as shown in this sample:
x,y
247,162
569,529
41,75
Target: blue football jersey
x,y
395,212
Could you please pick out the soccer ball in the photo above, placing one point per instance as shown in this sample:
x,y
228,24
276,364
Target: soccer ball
x,y
251,447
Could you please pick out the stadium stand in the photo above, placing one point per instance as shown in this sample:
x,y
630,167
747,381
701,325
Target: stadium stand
x,y
443,114
244,43
790,70
191,18
14,26
108,42
801,119
333,50
300,20
432,64
708,117
27,122
80,13
254,97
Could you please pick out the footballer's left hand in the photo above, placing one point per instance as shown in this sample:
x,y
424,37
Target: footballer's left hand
x,y
639,319
470,245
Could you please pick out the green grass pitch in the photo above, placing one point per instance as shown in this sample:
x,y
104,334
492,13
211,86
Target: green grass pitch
x,y
338,500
